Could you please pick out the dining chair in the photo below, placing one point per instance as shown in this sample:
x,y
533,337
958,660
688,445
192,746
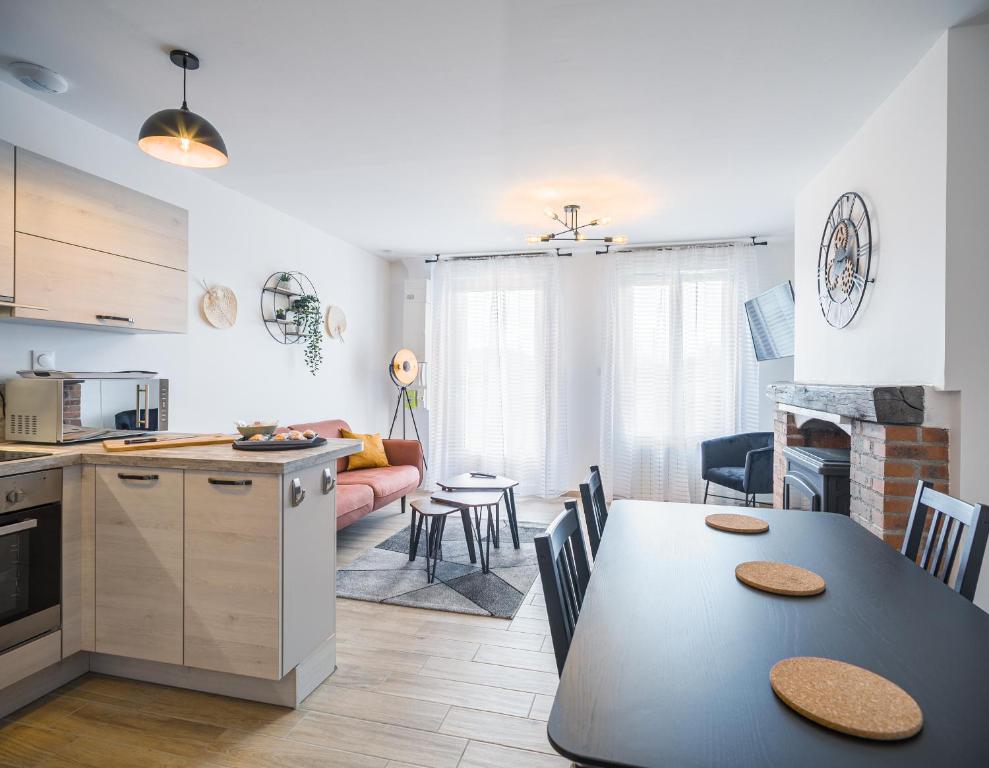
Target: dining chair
x,y
564,571
951,517
595,508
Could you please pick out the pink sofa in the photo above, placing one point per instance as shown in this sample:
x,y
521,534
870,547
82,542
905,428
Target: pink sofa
x,y
364,490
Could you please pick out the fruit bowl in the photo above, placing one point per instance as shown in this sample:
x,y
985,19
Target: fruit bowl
x,y
257,428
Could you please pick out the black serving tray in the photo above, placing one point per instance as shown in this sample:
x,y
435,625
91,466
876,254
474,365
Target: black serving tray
x,y
277,445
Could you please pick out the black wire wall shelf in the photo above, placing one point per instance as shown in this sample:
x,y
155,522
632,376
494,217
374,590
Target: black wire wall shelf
x,y
277,295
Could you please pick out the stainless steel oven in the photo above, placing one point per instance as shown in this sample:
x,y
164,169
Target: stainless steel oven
x,y
30,556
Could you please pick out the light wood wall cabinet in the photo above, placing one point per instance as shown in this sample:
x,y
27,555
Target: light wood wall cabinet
x,y
63,203
6,222
85,287
76,249
139,573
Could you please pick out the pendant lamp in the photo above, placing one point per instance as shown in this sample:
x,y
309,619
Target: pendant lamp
x,y
180,136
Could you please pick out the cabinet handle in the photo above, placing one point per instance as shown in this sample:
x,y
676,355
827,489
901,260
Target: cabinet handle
x,y
8,303
218,481
298,492
116,317
329,482
125,476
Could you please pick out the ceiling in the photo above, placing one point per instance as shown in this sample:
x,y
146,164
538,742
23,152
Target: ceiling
x,y
448,125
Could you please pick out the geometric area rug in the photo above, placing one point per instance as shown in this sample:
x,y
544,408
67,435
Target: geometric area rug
x,y
385,575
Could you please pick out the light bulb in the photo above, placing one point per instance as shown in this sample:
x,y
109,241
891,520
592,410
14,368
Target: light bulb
x,y
619,239
184,144
533,238
604,220
580,236
549,212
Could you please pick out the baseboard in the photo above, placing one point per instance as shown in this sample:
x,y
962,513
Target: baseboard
x,y
43,682
287,692
311,673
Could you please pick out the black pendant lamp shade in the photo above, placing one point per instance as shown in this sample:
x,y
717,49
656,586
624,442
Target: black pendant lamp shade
x,y
180,136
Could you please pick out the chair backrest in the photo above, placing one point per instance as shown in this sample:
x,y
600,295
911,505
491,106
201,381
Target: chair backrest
x,y
564,571
595,508
946,537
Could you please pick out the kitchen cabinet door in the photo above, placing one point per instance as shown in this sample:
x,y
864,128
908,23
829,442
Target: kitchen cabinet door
x,y
233,560
6,221
138,585
62,203
309,529
84,287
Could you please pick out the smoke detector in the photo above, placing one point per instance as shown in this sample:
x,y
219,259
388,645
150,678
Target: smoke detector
x,y
39,78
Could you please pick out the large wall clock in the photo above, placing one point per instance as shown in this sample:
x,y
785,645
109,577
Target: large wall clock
x,y
844,260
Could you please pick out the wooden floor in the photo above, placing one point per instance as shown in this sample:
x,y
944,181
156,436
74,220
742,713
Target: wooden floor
x,y
412,688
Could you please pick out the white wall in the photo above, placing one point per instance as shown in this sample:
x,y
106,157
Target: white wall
x,y
582,336
968,261
897,162
218,376
922,162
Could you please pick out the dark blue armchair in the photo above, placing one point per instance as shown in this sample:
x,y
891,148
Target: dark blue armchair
x,y
743,463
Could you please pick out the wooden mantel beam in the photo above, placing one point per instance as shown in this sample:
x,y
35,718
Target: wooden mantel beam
x,y
881,404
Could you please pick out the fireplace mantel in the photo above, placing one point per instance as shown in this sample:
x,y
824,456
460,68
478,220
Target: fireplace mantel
x,y
879,404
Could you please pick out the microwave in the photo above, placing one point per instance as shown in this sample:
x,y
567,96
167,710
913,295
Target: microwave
x,y
65,409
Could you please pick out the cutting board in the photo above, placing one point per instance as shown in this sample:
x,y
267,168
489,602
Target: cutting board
x,y
117,446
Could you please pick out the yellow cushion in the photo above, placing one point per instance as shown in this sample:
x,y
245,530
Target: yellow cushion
x,y
373,454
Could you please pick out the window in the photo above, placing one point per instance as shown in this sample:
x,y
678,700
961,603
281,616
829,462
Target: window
x,y
678,366
496,396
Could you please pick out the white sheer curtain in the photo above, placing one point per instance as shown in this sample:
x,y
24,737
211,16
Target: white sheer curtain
x,y
496,395
679,366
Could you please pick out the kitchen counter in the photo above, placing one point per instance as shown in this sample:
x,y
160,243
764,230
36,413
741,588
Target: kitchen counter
x,y
214,457
216,570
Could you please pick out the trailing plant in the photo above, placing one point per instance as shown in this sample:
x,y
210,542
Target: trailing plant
x,y
285,277
308,317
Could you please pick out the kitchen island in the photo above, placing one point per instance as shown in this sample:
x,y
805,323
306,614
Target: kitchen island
x,y
200,567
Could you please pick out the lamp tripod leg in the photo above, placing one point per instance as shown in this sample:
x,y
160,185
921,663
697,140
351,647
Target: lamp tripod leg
x,y
398,404
414,425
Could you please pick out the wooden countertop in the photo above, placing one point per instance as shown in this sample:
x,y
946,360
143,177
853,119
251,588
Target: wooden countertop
x,y
218,457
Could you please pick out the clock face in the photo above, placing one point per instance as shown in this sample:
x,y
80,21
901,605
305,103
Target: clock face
x,y
844,260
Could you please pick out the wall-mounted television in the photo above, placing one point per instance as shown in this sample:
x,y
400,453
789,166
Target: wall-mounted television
x,y
770,317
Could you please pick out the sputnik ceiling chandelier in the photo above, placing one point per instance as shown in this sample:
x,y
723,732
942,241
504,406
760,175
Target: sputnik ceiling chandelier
x,y
573,230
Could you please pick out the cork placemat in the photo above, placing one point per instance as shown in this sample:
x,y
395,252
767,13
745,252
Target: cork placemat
x,y
737,523
846,698
779,578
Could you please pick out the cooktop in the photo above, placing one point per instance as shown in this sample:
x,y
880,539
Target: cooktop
x,y
17,455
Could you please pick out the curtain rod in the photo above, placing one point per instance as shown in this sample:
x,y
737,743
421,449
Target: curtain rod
x,y
674,246
502,255
681,245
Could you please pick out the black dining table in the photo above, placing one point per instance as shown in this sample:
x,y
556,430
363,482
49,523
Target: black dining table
x,y
669,664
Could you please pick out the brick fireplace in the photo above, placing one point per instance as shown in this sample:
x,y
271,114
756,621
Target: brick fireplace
x,y
887,458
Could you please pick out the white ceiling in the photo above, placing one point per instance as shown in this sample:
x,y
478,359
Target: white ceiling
x,y
448,125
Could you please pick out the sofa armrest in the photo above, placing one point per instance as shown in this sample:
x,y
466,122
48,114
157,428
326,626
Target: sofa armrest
x,y
405,453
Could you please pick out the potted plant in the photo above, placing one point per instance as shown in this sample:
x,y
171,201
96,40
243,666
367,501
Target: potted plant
x,y
308,317
280,314
284,279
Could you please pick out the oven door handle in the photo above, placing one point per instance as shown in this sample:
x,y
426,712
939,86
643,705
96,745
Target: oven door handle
x,y
23,525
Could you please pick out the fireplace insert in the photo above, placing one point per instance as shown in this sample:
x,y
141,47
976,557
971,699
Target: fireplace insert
x,y
819,474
